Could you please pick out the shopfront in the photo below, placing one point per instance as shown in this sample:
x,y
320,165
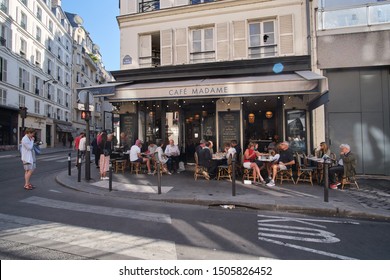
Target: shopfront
x,y
243,108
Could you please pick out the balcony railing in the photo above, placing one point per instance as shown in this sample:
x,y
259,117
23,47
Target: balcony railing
x,y
368,15
148,6
201,57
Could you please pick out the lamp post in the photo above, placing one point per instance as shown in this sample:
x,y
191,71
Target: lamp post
x,y
88,151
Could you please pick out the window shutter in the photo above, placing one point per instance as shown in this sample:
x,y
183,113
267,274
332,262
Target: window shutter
x,y
181,46
222,41
286,31
145,45
166,47
239,40
4,74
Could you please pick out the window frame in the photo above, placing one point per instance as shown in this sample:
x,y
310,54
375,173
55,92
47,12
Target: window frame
x,y
202,55
252,54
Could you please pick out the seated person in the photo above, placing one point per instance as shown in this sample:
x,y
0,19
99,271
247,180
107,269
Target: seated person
x,y
322,150
230,152
162,157
250,156
151,149
285,161
345,166
135,155
172,151
205,160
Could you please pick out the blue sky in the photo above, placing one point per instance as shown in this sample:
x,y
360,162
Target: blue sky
x,y
100,21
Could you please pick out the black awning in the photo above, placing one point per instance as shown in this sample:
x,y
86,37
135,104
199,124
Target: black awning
x,y
64,128
102,90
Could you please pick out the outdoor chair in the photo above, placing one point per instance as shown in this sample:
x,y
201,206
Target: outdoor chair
x,y
120,165
304,173
225,171
200,171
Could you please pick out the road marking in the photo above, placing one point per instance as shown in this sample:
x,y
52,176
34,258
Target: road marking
x,y
270,229
55,191
84,241
140,188
7,156
101,210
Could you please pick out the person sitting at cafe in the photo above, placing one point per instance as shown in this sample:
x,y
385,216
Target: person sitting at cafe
x,y
273,145
206,160
200,147
286,160
172,151
162,157
136,156
322,150
250,156
152,148
237,147
345,166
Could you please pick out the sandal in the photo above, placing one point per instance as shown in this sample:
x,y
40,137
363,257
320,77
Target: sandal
x,y
28,187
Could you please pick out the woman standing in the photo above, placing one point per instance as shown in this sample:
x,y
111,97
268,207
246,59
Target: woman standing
x,y
104,150
28,157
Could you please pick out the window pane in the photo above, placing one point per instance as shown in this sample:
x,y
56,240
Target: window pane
x,y
254,28
196,35
197,46
255,41
268,26
208,34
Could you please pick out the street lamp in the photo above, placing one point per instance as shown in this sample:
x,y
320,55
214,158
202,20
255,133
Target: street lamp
x,y
54,82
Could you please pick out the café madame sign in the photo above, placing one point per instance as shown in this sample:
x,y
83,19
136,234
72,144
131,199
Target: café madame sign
x,y
188,91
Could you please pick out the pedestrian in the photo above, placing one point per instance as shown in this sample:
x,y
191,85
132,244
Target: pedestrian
x,y
28,157
76,146
82,146
70,139
63,139
104,150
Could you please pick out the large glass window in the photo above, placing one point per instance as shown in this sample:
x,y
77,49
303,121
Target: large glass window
x,y
203,45
296,130
262,42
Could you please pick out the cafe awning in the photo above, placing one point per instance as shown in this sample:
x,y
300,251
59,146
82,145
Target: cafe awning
x,y
304,82
102,90
64,128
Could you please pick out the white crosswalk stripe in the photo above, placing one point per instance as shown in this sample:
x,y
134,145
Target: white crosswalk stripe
x,y
84,241
101,210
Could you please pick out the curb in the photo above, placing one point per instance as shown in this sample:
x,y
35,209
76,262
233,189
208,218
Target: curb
x,y
331,212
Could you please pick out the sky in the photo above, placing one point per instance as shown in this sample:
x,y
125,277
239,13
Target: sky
x,y
100,21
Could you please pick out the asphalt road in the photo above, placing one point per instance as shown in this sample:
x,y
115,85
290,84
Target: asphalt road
x,y
52,222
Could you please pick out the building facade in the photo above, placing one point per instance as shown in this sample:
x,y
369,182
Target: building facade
x,y
218,70
352,50
88,70
35,56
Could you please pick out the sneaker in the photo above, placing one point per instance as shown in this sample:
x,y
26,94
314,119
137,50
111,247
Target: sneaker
x,y
271,183
333,186
106,178
338,184
150,173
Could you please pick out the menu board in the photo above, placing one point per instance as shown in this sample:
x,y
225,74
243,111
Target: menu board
x,y
229,127
128,125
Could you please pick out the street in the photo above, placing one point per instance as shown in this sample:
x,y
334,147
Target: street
x,y
53,222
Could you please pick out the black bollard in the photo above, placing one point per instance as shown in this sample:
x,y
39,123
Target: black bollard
x,y
110,177
79,170
234,175
326,180
158,172
69,166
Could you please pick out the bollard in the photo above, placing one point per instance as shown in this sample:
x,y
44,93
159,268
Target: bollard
x,y
69,166
326,180
158,177
234,175
110,177
79,169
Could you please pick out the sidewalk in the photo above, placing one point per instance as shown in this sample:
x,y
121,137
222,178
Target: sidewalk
x,y
372,201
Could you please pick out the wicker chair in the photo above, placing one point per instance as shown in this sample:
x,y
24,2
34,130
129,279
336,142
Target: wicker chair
x,y
200,171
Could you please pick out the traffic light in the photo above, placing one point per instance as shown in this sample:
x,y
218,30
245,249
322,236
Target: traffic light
x,y
85,115
23,112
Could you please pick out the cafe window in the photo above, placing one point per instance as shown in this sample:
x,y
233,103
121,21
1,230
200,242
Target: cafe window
x,y
296,130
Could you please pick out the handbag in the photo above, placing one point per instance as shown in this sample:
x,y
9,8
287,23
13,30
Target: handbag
x,y
37,149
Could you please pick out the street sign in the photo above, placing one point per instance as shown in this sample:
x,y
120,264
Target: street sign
x,y
82,97
81,107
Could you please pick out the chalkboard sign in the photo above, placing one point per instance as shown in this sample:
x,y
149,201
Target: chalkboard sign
x,y
128,125
229,127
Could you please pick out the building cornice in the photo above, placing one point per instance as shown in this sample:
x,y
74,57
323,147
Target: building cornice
x,y
253,67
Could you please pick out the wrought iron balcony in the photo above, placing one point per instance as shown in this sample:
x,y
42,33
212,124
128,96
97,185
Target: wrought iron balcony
x,y
148,6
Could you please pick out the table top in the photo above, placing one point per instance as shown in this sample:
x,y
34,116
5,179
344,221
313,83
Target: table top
x,y
316,159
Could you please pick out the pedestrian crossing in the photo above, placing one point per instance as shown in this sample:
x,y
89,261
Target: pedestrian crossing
x,y
85,241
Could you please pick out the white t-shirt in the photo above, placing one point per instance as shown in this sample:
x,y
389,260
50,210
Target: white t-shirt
x,y
82,146
134,151
161,157
231,152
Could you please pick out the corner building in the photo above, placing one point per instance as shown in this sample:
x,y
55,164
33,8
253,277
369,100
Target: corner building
x,y
217,70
